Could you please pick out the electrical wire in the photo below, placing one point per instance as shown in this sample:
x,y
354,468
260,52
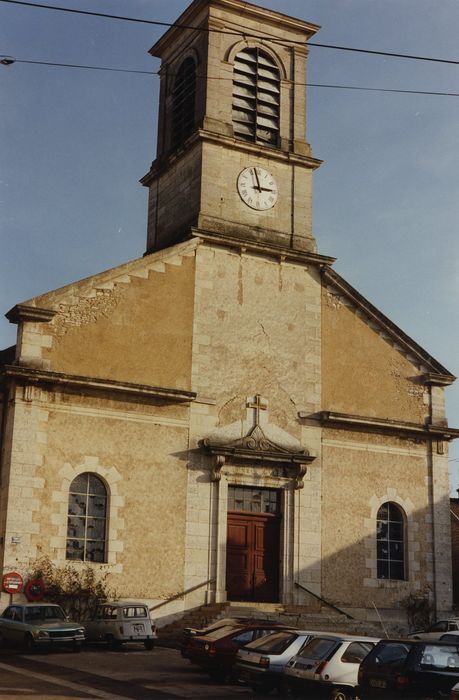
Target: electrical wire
x,y
12,60
221,31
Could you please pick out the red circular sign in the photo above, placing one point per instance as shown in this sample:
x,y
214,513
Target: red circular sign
x,y
34,589
12,582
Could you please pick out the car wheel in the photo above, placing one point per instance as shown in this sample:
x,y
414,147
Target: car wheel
x,y
284,690
340,694
113,644
262,689
30,644
149,644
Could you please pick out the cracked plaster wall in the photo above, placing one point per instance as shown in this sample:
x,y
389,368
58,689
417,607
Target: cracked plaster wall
x,y
137,331
363,374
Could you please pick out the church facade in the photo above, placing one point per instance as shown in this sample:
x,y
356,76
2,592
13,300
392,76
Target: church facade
x,y
226,418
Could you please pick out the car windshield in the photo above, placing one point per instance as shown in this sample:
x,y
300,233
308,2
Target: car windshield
x,y
317,648
390,653
440,658
43,613
224,631
273,644
134,611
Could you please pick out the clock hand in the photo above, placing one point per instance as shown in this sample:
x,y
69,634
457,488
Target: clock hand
x,y
257,179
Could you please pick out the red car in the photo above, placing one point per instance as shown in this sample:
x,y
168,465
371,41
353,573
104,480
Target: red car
x,y
216,652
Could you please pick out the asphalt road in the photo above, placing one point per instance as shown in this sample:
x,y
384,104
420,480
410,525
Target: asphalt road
x,y
113,675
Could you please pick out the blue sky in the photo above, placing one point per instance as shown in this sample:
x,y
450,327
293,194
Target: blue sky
x,y
74,143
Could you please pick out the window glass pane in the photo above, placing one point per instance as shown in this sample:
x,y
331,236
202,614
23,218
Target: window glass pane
x,y
356,652
75,549
77,504
317,649
96,528
76,527
96,486
394,513
96,505
80,484
243,637
383,569
397,570
396,551
95,551
396,531
383,512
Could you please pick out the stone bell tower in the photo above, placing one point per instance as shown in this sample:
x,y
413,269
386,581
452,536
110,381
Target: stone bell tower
x,y
232,158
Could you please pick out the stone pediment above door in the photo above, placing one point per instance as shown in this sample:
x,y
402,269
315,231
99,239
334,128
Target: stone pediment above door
x,y
256,441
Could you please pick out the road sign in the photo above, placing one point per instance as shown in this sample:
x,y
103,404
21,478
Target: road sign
x,y
12,582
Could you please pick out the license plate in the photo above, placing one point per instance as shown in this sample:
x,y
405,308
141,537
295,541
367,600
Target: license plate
x,y
138,629
375,683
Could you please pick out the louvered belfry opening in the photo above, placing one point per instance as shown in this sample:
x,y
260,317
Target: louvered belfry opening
x,y
183,102
256,97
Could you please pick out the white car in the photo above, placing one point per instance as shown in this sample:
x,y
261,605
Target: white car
x,y
328,664
436,630
121,621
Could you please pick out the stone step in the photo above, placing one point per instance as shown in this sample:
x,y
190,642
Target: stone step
x,y
297,616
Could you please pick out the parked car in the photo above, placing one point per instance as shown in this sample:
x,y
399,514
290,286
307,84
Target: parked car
x,y
415,669
327,666
116,623
190,632
436,630
260,663
454,694
39,626
216,651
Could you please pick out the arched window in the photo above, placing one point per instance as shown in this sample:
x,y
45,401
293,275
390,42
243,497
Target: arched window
x,y
256,97
87,519
183,102
390,541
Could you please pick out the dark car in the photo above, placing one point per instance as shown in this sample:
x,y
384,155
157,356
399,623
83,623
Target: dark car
x,y
190,632
216,651
409,669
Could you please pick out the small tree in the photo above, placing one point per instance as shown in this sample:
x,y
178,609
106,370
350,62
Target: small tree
x,y
77,591
419,609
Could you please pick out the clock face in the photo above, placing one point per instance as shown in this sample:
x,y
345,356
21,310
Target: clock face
x,y
257,188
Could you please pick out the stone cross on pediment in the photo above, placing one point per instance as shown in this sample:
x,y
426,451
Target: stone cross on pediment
x,y
258,404
258,443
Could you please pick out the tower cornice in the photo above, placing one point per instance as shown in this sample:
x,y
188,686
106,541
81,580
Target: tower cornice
x,y
193,16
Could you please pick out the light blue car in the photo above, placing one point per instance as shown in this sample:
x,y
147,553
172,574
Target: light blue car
x,y
260,663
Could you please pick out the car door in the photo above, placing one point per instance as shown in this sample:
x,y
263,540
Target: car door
x,y
12,627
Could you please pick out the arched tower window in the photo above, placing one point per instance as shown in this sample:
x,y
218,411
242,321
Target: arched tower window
x,y
390,541
183,102
256,97
87,519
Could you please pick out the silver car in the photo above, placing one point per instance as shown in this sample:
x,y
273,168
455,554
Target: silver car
x,y
39,626
327,664
260,663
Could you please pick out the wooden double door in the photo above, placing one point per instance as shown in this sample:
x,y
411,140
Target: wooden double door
x,y
252,563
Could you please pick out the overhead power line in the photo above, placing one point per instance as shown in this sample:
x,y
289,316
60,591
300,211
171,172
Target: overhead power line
x,y
9,60
233,33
